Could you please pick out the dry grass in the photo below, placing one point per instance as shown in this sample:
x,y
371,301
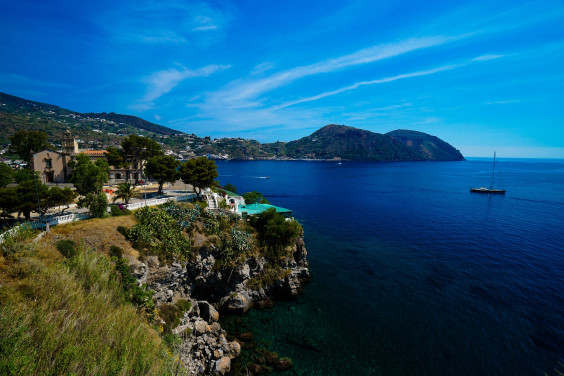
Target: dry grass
x,y
96,233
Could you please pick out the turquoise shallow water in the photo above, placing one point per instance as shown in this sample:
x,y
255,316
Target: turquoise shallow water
x,y
413,274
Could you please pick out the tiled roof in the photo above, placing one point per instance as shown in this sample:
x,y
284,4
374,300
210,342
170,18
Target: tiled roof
x,y
94,153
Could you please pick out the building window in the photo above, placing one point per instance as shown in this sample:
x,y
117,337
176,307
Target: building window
x,y
49,163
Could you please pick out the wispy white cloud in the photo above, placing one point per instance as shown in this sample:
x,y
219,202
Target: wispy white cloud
x,y
505,101
387,79
244,93
162,22
161,82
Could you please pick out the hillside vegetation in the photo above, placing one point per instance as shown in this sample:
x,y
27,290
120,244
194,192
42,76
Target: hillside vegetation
x,y
70,315
101,130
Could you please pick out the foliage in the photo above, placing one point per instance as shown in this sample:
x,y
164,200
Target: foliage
x,y
116,252
200,173
254,197
71,319
159,233
25,174
137,149
230,188
97,204
14,243
27,194
126,191
275,232
89,177
114,157
56,196
25,143
172,313
67,248
163,168
140,296
124,231
241,239
6,174
117,211
185,217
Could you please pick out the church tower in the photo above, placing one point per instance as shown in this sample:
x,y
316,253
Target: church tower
x,y
69,144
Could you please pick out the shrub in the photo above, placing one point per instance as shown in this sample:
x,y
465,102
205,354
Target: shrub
x,y
275,232
159,233
120,210
13,245
25,267
139,296
116,252
97,204
172,313
67,248
124,231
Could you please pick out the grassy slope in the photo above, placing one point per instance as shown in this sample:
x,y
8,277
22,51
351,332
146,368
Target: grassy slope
x,y
61,316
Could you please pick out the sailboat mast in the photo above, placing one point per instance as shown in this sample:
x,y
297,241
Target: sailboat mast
x,y
493,172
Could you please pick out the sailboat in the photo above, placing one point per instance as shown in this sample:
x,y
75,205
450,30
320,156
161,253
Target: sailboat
x,y
491,188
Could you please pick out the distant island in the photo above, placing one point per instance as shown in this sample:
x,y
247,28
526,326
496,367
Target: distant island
x,y
331,142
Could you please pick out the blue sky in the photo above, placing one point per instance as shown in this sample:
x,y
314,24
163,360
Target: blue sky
x,y
482,75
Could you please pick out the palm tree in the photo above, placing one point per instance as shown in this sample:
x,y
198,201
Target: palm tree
x,y
125,191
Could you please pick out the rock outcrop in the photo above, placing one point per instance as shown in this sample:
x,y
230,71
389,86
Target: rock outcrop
x,y
204,348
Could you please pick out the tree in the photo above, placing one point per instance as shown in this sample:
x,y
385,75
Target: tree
x,y
135,150
125,192
6,174
56,196
114,156
163,168
230,188
24,143
200,173
25,175
28,193
254,196
97,204
88,177
275,232
8,201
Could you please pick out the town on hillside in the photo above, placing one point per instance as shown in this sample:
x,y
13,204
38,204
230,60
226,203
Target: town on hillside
x,y
49,187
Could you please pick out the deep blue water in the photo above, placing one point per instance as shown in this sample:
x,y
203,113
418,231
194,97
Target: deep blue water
x,y
415,275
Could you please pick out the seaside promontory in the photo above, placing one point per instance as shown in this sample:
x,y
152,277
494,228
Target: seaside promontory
x,y
181,265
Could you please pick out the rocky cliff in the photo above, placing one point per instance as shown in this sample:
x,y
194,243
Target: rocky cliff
x,y
210,290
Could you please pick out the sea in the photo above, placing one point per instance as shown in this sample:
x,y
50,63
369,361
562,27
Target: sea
x,y
412,274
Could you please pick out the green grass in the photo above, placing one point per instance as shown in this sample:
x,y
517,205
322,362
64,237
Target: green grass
x,y
71,318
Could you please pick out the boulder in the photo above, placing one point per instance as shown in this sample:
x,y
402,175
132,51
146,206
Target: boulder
x,y
237,302
208,312
232,349
223,366
201,327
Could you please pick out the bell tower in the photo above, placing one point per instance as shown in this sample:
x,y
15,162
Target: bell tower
x,y
69,144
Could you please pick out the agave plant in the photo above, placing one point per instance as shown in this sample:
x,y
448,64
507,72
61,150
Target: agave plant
x,y
125,192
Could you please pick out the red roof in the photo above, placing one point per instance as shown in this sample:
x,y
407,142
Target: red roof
x,y
94,153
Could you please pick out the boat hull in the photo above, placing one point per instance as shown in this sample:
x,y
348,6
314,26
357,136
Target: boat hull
x,y
488,190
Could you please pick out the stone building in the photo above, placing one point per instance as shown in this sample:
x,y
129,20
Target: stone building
x,y
53,166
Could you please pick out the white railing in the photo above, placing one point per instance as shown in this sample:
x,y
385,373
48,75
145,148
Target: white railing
x,y
159,201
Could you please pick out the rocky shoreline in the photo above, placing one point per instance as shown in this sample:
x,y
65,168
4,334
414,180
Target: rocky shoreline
x,y
204,347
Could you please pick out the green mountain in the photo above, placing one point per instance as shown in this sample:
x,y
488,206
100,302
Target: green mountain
x,y
348,143
93,129
100,130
